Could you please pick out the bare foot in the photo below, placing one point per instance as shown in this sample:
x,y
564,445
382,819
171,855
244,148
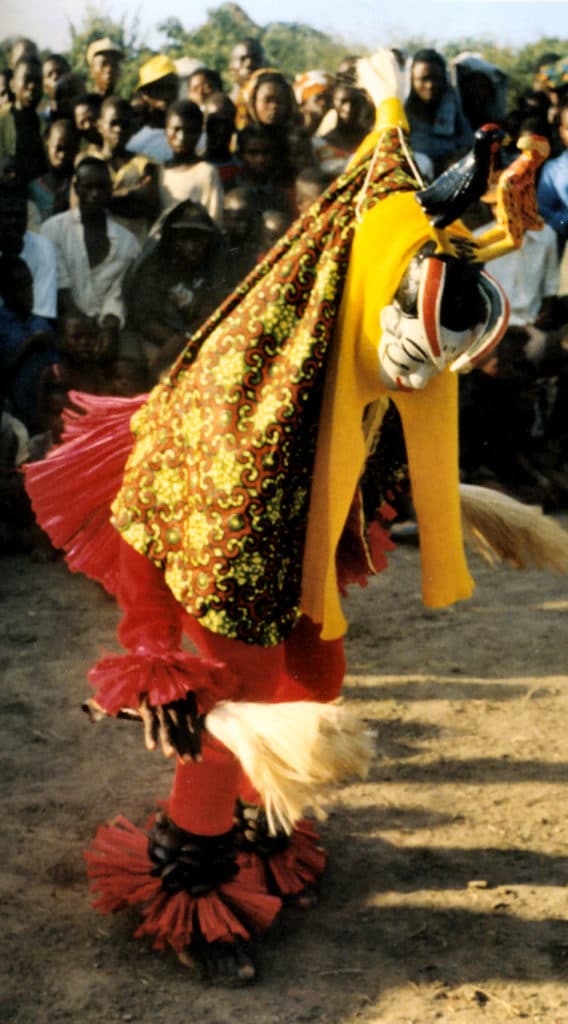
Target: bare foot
x,y
221,963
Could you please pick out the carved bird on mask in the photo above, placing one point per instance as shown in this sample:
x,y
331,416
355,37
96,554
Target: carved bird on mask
x,y
464,182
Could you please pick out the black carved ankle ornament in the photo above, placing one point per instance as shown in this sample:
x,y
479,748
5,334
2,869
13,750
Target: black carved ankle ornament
x,y
190,863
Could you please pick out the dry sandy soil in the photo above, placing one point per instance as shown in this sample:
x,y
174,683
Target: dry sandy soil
x,y
446,897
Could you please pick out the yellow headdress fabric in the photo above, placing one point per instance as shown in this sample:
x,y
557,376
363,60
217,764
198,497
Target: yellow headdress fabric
x,y
387,238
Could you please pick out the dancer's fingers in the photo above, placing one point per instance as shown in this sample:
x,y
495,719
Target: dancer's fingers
x,y
166,731
148,716
186,742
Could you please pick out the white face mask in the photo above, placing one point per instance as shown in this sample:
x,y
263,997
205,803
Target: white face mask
x,y
406,358
415,344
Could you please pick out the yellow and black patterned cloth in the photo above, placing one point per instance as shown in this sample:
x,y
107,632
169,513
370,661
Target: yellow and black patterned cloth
x,y
217,489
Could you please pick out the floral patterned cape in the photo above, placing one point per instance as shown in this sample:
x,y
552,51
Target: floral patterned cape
x,y
216,491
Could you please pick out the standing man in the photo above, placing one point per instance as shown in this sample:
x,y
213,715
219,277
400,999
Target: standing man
x,y
21,144
93,251
158,86
246,57
104,60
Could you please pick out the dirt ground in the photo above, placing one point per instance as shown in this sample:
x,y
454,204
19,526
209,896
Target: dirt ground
x,y
446,897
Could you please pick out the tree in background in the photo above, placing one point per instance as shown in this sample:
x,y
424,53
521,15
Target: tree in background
x,y
291,47
518,64
212,42
98,24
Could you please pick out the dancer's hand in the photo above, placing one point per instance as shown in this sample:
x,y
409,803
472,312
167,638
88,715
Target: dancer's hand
x,y
177,727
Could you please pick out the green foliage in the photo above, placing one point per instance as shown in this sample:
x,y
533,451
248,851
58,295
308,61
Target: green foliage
x,y
98,24
291,47
295,47
212,42
520,64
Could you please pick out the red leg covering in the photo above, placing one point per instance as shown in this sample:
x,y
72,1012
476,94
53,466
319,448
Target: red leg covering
x,y
203,795
151,616
313,669
202,799
258,669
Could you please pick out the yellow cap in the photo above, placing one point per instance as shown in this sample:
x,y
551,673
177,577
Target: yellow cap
x,y
157,67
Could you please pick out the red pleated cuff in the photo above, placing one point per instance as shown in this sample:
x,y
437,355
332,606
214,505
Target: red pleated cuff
x,y
120,680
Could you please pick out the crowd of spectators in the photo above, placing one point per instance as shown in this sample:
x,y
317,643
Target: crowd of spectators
x,y
124,222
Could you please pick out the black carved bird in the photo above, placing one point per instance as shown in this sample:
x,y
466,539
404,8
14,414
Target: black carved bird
x,y
450,194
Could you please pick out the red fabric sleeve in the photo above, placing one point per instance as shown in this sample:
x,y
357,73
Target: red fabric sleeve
x,y
151,616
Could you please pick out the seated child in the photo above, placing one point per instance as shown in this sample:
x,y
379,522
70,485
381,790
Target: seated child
x,y
85,353
185,176
27,343
176,282
51,191
53,401
127,372
134,202
242,231
126,377
259,170
275,223
15,511
310,184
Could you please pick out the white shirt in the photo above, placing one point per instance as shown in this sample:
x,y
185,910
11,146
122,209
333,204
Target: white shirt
x,y
528,274
199,182
97,291
40,257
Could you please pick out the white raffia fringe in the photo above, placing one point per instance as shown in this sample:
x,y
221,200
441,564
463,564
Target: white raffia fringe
x,y
504,530
381,76
293,752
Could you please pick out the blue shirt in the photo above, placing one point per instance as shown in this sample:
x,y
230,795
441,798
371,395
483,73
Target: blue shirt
x,y
447,135
22,383
552,194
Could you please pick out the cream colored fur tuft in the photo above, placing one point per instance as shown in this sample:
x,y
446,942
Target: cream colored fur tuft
x,y
502,529
293,752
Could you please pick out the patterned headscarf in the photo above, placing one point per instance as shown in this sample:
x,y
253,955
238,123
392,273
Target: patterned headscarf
x,y
555,76
246,111
311,83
